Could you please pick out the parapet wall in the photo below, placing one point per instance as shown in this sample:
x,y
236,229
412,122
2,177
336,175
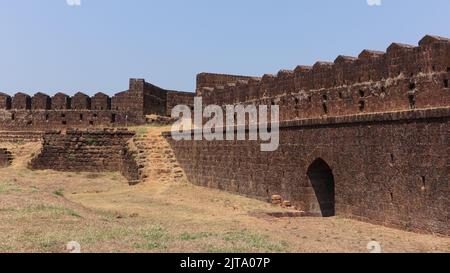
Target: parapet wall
x,y
175,98
42,112
212,80
402,78
128,108
88,151
160,102
387,168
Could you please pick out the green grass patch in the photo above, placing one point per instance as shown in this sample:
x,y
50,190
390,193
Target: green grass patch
x,y
155,237
97,236
8,210
8,187
94,175
43,241
53,210
49,243
194,236
90,141
59,192
141,131
6,248
245,241
34,189
150,245
3,189
154,233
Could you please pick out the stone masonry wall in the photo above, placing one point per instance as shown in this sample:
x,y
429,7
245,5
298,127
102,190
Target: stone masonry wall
x,y
404,78
155,100
211,80
127,108
20,137
175,98
88,151
391,169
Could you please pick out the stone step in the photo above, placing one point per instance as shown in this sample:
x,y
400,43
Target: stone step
x,y
156,159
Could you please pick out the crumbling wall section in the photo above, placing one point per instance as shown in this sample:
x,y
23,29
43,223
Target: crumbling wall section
x,y
6,158
87,151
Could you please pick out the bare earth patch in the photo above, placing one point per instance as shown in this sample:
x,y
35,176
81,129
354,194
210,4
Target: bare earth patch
x,y
40,211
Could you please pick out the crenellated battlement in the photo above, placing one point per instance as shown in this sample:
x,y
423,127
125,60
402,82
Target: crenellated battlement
x,y
128,108
60,101
405,77
402,78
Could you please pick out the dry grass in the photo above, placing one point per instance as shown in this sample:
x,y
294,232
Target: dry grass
x,y
40,211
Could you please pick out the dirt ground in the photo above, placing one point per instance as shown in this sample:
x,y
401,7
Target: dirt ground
x,y
41,211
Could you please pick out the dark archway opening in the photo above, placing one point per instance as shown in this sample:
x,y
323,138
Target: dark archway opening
x,y
322,180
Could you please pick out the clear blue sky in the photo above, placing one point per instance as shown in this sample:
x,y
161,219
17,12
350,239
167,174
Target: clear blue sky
x,y
49,46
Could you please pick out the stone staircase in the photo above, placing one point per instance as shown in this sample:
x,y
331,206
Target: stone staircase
x,y
156,159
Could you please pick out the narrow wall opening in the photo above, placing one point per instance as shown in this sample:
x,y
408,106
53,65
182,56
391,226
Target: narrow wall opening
x,y
324,104
322,181
362,106
325,108
412,101
362,93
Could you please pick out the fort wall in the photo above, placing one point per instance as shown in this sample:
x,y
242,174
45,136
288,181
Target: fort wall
x,y
155,100
175,98
387,168
403,78
20,137
364,137
160,102
128,108
88,151
212,80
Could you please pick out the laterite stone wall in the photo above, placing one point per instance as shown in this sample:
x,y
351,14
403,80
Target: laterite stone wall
x,y
88,151
391,168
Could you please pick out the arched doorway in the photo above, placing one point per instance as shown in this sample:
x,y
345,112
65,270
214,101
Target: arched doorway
x,y
322,180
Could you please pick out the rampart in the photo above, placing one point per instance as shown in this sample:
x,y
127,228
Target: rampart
x,y
88,151
128,108
404,77
365,138
390,169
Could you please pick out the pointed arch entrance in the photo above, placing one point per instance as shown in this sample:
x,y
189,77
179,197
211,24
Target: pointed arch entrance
x,y
322,181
